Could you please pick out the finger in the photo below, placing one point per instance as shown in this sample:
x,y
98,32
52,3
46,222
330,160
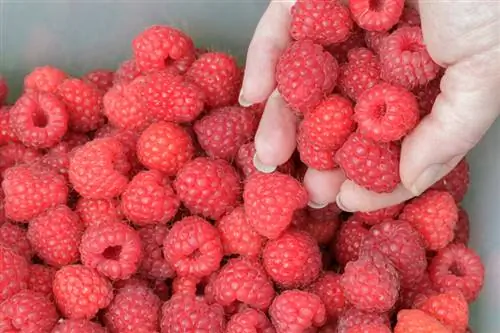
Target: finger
x,y
270,39
323,186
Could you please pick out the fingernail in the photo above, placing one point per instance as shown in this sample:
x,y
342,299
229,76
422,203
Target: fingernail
x,y
341,204
315,205
261,166
243,102
427,178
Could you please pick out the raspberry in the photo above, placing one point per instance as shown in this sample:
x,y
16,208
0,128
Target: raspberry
x,y
412,296
14,237
434,215
293,260
248,321
376,15
80,291
295,311
351,235
450,308
29,191
372,165
314,156
371,283
165,147
84,104
78,326
101,78
370,328
379,215
44,79
222,132
142,303
41,278
426,95
187,284
188,313
55,236
193,247
243,280
126,137
218,76
6,133
324,22
209,187
356,39
462,228
159,47
416,321
322,229
353,317
374,40
126,72
57,158
153,264
113,249
305,73
405,60
328,288
98,169
14,273
4,90
94,212
28,311
457,267
237,236
456,181
270,201
244,161
14,153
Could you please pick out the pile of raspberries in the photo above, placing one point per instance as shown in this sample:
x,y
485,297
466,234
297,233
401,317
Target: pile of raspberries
x,y
130,202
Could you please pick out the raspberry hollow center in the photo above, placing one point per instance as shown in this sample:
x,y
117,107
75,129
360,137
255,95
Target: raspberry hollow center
x,y
112,253
40,119
456,270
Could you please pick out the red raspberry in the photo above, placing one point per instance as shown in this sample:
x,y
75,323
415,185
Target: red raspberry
x,y
405,60
456,181
14,237
376,15
457,267
305,73
462,228
153,264
188,313
4,90
14,273
187,284
416,321
41,278
270,201
434,215
244,161
379,215
193,247
426,95
324,22
374,40
237,236
249,320
360,73
55,236
450,308
372,165
101,78
314,156
29,191
165,147
28,311
222,132
412,296
357,39
113,249
371,283
98,169
353,317
94,212
78,326
209,187
126,137
218,76
126,72
80,291
6,133
44,79
370,328
159,47
349,240
141,303
293,260
84,104
296,311
328,288
14,153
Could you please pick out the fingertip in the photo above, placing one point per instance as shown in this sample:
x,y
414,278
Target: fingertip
x,y
322,186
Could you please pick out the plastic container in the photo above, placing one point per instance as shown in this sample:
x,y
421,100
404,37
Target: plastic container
x,y
80,35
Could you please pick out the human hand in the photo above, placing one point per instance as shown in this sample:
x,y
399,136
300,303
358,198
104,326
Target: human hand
x,y
460,36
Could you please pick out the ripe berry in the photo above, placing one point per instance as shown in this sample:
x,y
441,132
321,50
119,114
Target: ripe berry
x,y
153,264
15,238
412,296
376,15
313,156
6,133
44,79
41,279
14,273
427,94
101,78
379,215
78,326
416,321
15,153
374,40
328,288
353,317
450,308
93,212
349,240
249,320
127,71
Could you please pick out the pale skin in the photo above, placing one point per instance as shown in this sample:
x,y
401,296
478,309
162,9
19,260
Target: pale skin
x,y
462,36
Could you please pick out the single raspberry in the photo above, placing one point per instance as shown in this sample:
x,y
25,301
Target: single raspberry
x,y
44,79
209,187
374,40
6,132
153,264
218,76
29,191
450,308
376,15
328,288
456,181
405,60
139,301
270,201
371,283
434,215
313,156
94,212
321,228
98,169
80,291
353,317
41,278
28,311
126,72
113,249
305,73
15,153
292,260
165,147
372,165
78,326
4,90
101,78
426,95
370,328
356,40
14,273
379,215
193,247
416,321
295,311
457,267
244,161
462,228
222,131
324,22
189,285
237,236
412,296
248,321
350,237
14,237
55,236
159,47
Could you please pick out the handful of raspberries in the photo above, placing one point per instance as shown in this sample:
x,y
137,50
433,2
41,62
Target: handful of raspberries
x,y
130,202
